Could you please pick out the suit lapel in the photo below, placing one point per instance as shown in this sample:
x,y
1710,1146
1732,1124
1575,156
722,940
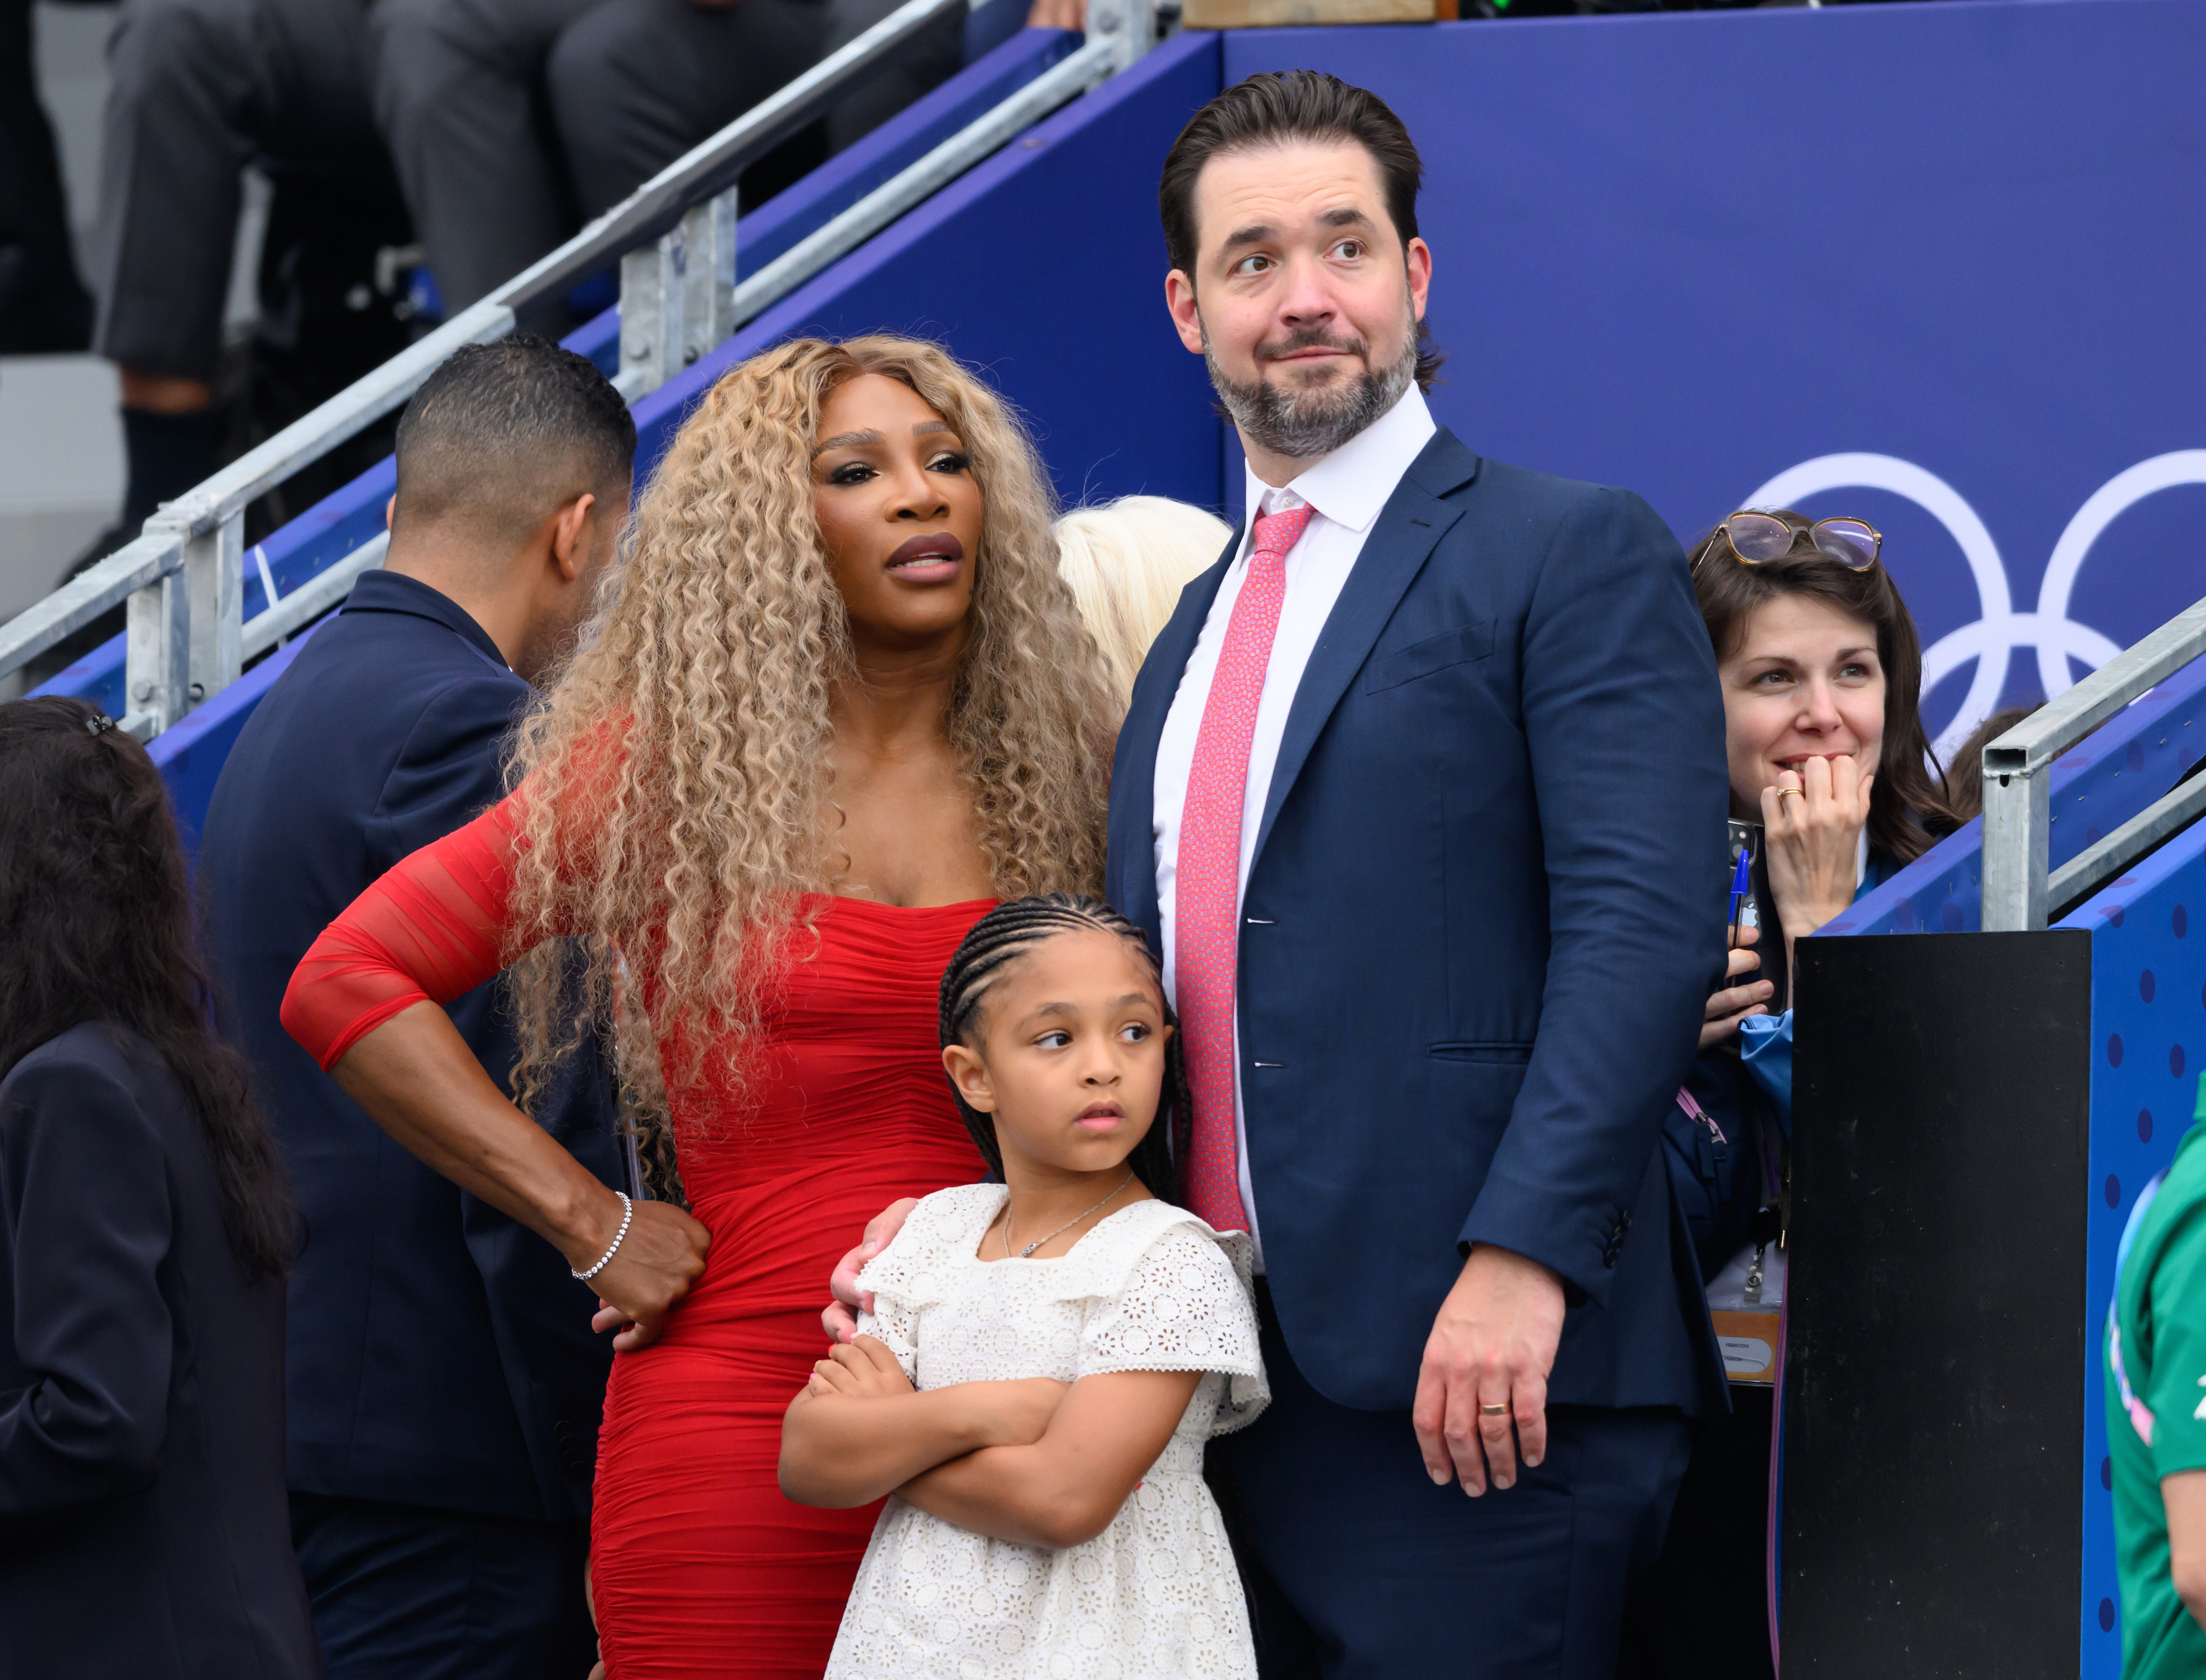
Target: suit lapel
x,y
1133,824
1408,529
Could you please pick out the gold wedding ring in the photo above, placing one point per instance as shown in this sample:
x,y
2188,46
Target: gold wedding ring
x,y
1781,792
1490,1410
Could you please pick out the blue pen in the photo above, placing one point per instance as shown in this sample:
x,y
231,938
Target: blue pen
x,y
1739,888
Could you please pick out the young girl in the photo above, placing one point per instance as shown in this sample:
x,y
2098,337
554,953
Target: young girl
x,y
1038,1350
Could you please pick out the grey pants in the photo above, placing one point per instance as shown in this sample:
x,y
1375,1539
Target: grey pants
x,y
512,122
199,88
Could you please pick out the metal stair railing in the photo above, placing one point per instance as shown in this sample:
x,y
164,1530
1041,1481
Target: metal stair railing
x,y
675,238
2021,893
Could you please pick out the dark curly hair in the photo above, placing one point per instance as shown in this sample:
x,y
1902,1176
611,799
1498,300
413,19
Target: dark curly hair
x,y
1000,938
96,921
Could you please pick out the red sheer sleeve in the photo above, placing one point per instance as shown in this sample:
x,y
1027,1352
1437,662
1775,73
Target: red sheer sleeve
x,y
432,929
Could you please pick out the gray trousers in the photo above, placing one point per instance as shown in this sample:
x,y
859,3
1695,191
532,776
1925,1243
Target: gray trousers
x,y
198,88
512,122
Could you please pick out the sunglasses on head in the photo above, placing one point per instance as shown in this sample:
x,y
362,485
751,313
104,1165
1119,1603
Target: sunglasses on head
x,y
1756,539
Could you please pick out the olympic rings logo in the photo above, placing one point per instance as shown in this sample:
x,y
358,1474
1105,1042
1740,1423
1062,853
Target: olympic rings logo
x,y
1992,640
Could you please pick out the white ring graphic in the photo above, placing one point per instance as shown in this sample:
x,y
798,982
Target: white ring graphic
x,y
1992,638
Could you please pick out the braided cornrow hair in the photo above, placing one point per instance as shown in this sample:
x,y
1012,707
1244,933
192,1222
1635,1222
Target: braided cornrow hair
x,y
1003,936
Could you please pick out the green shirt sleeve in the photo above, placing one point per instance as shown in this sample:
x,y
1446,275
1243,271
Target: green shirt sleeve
x,y
2176,1391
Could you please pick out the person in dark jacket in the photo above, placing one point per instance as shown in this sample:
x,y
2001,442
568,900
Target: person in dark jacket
x,y
1821,671
144,1228
445,1383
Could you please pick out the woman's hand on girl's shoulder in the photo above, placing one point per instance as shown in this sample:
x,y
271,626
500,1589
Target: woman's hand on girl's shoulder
x,y
1812,823
859,1369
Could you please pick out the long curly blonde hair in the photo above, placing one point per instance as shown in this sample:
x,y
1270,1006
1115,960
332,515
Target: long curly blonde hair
x,y
675,781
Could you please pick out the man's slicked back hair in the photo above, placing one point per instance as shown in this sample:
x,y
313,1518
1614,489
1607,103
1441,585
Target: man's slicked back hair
x,y
1274,108
504,434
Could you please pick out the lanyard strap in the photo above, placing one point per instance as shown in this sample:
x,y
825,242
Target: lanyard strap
x,y
1694,1111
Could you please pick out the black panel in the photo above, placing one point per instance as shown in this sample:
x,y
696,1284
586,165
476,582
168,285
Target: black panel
x,y
1934,1471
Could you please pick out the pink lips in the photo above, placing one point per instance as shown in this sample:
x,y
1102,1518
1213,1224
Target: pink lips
x,y
932,558
1101,1116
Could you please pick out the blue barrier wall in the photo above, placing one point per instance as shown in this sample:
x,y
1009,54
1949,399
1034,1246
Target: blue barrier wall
x,y
1689,252
2148,1047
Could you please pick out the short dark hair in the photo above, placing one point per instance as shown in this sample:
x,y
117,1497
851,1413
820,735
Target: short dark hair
x,y
1273,108
1910,808
503,434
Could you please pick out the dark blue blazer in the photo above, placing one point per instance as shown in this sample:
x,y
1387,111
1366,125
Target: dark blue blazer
x,y
440,1355
143,1526
1479,928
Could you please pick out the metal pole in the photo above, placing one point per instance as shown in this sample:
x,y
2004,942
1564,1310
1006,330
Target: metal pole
x,y
2018,813
157,658
214,572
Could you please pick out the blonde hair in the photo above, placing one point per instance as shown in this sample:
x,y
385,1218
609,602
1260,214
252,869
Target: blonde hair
x,y
675,780
1127,563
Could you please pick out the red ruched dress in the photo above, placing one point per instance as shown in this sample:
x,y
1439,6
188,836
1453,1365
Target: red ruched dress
x,y
700,1566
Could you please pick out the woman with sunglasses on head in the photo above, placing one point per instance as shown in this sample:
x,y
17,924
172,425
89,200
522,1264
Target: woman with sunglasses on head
x,y
1821,671
1821,674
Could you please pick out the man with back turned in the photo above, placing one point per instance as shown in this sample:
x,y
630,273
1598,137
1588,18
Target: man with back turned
x,y
444,1386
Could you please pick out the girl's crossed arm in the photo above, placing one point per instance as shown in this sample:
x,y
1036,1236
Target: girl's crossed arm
x,y
1033,1461
859,1430
1063,1488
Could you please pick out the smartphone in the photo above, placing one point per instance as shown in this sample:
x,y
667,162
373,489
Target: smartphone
x,y
1759,910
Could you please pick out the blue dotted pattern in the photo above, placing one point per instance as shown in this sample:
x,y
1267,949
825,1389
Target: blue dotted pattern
x,y
2148,1031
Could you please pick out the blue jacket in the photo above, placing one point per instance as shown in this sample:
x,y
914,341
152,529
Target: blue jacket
x,y
143,1526
1478,931
439,1353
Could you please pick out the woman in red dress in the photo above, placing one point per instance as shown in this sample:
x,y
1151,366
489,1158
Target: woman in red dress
x,y
836,704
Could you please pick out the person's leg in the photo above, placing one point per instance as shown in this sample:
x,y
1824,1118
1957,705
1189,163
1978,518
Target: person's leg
x,y
199,87
457,87
635,83
191,80
400,1593
1384,1574
1701,1612
923,63
43,307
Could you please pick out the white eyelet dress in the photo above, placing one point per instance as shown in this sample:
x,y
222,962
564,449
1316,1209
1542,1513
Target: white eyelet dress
x,y
1151,1288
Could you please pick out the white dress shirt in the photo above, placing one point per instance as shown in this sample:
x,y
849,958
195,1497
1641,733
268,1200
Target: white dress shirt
x,y
1346,490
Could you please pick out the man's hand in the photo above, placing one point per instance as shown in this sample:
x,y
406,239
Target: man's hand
x,y
1057,14
1727,1007
657,1260
839,1317
1493,1344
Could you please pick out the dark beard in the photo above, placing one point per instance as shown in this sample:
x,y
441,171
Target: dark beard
x,y
1304,425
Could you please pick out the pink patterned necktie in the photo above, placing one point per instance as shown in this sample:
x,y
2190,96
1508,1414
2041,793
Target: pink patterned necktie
x,y
1207,893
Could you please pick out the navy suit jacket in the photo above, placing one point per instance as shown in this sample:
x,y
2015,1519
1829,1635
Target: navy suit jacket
x,y
143,1526
439,1353
1485,907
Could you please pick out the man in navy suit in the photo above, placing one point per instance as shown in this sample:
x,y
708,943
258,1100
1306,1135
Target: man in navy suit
x,y
1421,793
444,1384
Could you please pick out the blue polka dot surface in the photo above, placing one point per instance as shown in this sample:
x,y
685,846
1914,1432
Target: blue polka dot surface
x,y
2148,1008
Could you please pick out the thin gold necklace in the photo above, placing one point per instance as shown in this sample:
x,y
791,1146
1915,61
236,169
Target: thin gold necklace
x,y
1028,1252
